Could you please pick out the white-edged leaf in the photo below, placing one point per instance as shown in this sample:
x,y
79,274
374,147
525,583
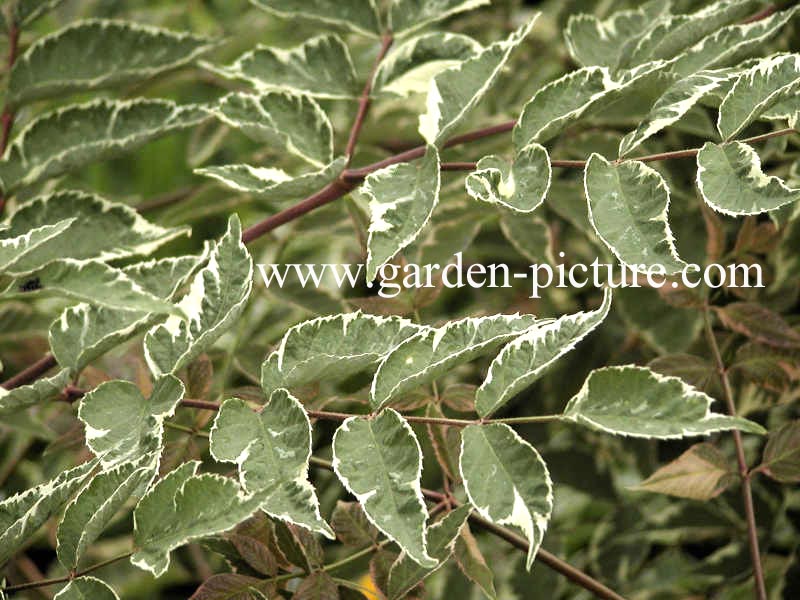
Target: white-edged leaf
x,y
15,248
360,16
98,53
406,16
435,351
91,511
269,183
406,574
21,515
84,332
216,297
320,67
125,232
272,448
770,81
521,186
628,206
454,92
24,12
637,402
401,200
86,587
182,507
507,481
409,68
528,357
72,137
121,424
731,181
288,121
25,396
332,348
674,104
379,461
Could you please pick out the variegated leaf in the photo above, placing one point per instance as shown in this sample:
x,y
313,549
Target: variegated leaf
x,y
85,587
16,248
25,396
406,16
360,16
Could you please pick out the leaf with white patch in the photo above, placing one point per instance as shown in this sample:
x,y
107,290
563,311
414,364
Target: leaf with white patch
x,y
84,332
121,424
454,92
637,402
288,121
521,186
406,574
360,16
25,396
700,473
731,181
406,16
269,183
409,68
125,232
272,449
529,356
16,248
91,511
628,207
321,67
507,481
332,348
770,81
674,104
183,507
215,300
379,461
21,515
86,588
435,351
72,137
117,52
401,200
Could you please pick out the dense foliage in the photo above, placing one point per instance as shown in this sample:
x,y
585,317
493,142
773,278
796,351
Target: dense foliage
x,y
171,426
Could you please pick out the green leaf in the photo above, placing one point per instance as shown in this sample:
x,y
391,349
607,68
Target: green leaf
x,y
13,249
472,563
530,355
86,588
731,181
183,507
770,81
24,12
379,461
360,16
453,93
125,232
401,200
435,351
320,67
507,481
674,104
332,348
93,508
272,449
520,187
700,473
530,236
730,44
406,574
406,16
759,323
70,138
84,332
25,396
410,67
215,300
781,459
636,402
352,526
269,183
317,586
628,204
121,425
21,515
117,52
287,121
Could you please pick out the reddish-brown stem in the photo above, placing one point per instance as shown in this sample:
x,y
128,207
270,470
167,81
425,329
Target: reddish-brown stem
x,y
8,113
762,14
458,166
365,99
204,404
66,578
747,494
32,373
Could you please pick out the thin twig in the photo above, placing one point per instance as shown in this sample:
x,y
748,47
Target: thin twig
x,y
32,373
747,494
66,578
